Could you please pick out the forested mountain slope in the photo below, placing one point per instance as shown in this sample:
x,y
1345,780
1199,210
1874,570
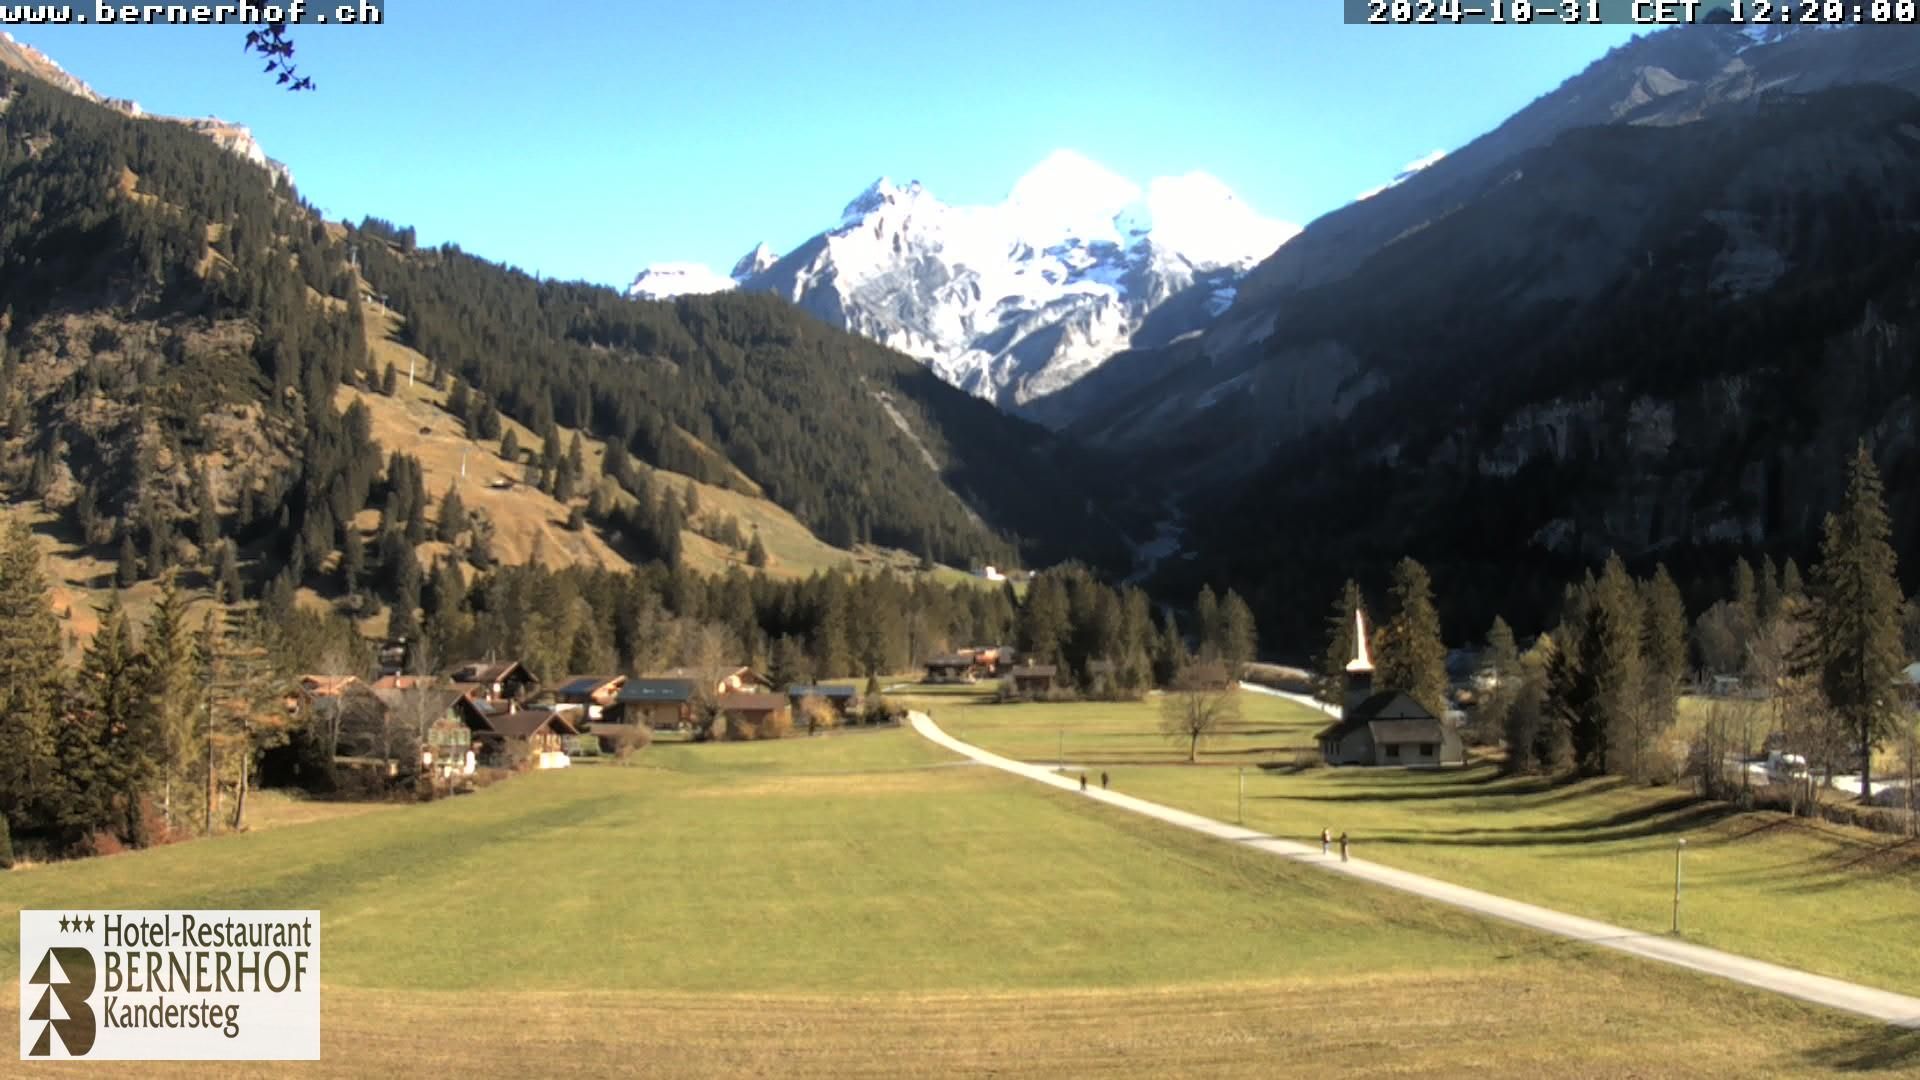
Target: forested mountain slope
x,y
178,326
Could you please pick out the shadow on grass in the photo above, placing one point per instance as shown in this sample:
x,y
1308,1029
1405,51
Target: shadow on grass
x,y
1883,1049
1635,825
1568,787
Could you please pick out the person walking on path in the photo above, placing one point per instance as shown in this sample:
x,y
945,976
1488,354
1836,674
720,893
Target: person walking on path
x,y
1343,847
1083,781
1326,841
1103,779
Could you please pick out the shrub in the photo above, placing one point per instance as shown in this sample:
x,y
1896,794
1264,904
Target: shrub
x,y
819,715
635,737
777,725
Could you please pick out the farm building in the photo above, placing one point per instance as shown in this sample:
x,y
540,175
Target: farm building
x,y
1033,679
509,681
655,703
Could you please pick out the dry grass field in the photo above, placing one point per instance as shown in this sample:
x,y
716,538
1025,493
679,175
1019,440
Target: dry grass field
x,y
861,905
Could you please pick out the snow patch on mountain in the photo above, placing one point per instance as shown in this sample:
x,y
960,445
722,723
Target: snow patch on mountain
x,y
1406,172
1018,299
664,281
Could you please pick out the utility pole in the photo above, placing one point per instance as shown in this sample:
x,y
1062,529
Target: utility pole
x,y
1060,754
1243,795
1679,850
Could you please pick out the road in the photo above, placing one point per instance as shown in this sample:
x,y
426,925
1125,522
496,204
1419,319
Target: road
x,y
1896,1009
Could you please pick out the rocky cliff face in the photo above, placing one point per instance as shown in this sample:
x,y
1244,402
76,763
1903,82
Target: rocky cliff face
x,y
234,138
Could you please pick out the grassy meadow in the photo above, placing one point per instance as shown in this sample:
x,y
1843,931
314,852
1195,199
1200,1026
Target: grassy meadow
x,y
862,904
1813,896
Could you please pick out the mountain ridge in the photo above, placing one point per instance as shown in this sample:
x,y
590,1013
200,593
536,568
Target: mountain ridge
x,y
1012,300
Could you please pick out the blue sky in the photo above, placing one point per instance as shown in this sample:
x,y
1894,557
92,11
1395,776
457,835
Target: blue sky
x,y
623,133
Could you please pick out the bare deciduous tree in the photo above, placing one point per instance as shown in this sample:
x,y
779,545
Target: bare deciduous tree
x,y
1203,700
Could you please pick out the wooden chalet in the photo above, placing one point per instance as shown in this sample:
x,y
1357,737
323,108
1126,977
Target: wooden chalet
x,y
951,668
539,732
843,698
658,703
753,709
1033,679
592,694
735,680
509,681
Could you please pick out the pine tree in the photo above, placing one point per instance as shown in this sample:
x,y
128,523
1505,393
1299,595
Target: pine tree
x,y
1238,636
247,717
1206,623
1043,625
114,713
226,573
510,447
1133,671
577,456
390,382
757,552
1170,656
1340,642
1768,600
1410,655
459,401
576,519
353,562
127,573
832,657
1665,645
615,464
1791,587
207,530
453,517
173,696
1856,653
31,683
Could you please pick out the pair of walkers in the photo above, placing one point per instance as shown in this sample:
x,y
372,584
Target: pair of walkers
x,y
1326,844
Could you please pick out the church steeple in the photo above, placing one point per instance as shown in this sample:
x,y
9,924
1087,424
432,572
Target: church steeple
x,y
1360,668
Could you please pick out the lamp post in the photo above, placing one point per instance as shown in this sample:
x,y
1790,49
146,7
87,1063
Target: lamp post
x,y
1679,850
1242,817
1060,751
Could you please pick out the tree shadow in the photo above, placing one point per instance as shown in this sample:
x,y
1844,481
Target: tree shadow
x,y
1882,1049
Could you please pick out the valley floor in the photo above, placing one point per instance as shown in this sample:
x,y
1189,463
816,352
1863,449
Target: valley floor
x,y
865,904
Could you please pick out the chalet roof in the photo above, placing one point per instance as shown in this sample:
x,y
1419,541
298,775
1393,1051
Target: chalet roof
x,y
529,722
327,685
639,691
1384,705
438,699
481,671
584,685
407,682
739,671
797,690
951,660
1035,671
753,702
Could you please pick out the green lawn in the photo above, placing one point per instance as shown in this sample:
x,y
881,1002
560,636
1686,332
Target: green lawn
x,y
862,904
1815,897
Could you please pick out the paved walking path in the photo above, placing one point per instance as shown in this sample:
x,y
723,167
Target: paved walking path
x,y
1896,1009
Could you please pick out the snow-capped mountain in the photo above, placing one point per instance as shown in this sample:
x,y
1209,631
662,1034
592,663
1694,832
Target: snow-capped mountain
x,y
234,138
664,281
1016,300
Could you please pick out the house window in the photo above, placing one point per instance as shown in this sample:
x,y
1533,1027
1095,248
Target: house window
x,y
1393,750
1426,749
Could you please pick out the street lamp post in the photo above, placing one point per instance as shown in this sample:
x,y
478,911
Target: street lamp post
x,y
1679,850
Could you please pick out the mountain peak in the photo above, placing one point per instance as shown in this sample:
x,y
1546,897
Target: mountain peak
x,y
757,261
664,281
879,195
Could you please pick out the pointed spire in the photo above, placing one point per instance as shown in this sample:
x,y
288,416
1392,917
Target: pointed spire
x,y
1361,661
